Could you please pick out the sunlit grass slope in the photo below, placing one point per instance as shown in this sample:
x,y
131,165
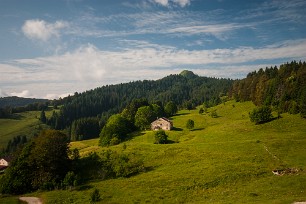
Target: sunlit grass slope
x,y
25,123
21,124
226,159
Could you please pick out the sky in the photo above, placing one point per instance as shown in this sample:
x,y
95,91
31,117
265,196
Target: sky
x,y
52,48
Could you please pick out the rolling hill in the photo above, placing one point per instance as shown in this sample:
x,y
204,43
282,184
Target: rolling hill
x,y
226,159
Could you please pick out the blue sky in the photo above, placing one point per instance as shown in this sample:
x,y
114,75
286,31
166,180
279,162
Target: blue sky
x,y
53,48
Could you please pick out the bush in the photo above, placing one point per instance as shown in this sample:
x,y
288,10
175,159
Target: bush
x,y
261,115
70,180
95,196
114,141
160,137
190,124
214,114
201,111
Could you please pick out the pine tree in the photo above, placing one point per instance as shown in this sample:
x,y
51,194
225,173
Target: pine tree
x,y
43,118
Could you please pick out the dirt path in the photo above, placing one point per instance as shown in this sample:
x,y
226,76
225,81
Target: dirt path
x,y
31,200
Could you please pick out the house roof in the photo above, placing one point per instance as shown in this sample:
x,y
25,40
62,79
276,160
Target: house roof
x,y
8,158
163,118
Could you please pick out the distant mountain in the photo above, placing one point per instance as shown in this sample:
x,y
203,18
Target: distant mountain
x,y
14,101
188,74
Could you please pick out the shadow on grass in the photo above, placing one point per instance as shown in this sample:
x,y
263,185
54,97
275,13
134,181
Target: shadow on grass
x,y
272,119
177,129
179,114
16,117
84,187
171,142
134,134
196,129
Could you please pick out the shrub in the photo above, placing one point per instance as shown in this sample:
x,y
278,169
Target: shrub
x,y
214,114
95,196
114,141
261,115
201,111
190,124
160,137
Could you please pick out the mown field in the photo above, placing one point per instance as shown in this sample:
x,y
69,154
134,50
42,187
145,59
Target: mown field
x,y
226,159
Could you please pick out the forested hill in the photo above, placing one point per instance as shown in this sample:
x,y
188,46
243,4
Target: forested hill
x,y
104,101
14,101
284,88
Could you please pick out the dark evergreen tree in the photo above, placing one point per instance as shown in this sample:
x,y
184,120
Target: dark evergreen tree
x,y
42,117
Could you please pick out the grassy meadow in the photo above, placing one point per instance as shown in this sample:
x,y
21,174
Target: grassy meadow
x,y
226,159
25,123
20,124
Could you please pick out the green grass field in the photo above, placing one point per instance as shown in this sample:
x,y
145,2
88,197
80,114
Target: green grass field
x,y
22,124
26,123
226,159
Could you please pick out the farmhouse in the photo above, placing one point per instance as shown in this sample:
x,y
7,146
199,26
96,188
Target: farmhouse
x,y
161,124
4,163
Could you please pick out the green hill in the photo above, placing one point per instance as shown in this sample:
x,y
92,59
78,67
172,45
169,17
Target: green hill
x,y
226,159
25,123
14,101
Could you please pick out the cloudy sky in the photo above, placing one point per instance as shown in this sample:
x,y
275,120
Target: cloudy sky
x,y
52,48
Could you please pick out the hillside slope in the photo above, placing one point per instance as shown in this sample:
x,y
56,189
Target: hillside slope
x,y
26,123
223,160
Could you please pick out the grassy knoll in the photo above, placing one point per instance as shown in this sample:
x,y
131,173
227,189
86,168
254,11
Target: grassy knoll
x,y
226,159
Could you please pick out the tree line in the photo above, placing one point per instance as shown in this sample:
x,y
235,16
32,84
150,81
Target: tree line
x,y
283,88
8,111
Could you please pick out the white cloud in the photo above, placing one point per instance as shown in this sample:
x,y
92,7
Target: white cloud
x,y
181,3
3,93
89,67
162,2
24,94
42,30
217,30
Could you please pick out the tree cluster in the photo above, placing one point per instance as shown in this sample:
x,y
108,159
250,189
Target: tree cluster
x,y
14,144
138,115
47,163
283,88
42,164
85,128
